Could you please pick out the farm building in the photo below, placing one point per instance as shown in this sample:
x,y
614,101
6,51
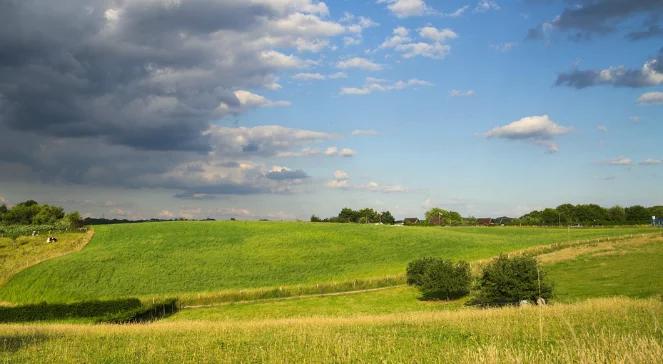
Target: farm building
x,y
436,220
411,221
486,221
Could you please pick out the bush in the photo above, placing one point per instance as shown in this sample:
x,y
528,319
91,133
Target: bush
x,y
439,278
509,280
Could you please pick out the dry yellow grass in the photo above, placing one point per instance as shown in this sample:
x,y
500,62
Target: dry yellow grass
x,y
32,250
597,331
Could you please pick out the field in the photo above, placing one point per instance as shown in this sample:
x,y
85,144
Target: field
x,y
597,331
183,257
299,292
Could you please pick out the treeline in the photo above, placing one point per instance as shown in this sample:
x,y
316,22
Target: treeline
x,y
590,214
363,216
32,213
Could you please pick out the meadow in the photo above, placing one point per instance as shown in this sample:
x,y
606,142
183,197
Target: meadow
x,y
595,331
176,258
299,292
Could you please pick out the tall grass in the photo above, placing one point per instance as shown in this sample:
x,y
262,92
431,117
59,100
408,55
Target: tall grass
x,y
598,331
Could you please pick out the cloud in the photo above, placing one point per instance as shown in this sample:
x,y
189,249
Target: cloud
x,y
249,100
504,47
620,161
431,43
651,162
355,25
589,17
655,97
652,31
460,93
456,13
319,76
283,173
602,128
342,181
407,8
379,85
332,151
341,152
364,132
359,63
650,74
540,130
486,5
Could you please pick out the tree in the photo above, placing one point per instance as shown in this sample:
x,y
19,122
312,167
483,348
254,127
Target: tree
x,y
368,215
617,215
446,217
48,215
637,215
439,278
73,220
348,215
315,219
387,218
508,280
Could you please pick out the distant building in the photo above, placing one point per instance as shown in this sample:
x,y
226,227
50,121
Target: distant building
x,y
486,221
657,221
411,221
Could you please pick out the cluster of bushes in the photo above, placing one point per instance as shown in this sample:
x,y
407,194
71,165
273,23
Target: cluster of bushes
x,y
29,216
503,281
363,216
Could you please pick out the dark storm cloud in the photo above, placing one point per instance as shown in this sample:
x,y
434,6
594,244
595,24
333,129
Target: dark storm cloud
x,y
650,74
588,17
124,93
651,32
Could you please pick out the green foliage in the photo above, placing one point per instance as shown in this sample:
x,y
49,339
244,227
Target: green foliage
x,y
439,278
438,216
508,280
590,215
29,216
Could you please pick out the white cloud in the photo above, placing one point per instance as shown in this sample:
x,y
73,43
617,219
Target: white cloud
x,y
456,13
407,8
341,152
655,97
620,161
539,130
319,76
486,5
438,35
651,162
504,47
431,44
342,181
380,85
279,60
602,128
359,63
364,132
460,93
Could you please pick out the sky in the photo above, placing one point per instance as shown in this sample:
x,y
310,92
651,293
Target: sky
x,y
286,108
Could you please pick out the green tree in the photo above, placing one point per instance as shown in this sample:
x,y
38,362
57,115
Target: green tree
x,y
387,218
73,220
48,215
617,215
348,215
508,280
439,278
637,215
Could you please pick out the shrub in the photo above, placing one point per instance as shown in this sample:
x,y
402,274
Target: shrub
x,y
439,278
509,280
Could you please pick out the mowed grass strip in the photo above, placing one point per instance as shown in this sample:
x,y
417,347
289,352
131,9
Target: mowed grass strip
x,y
184,257
597,331
629,268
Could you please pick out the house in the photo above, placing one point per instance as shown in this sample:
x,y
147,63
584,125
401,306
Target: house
x,y
486,221
411,221
657,221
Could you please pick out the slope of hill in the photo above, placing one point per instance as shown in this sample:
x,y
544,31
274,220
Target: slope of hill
x,y
176,257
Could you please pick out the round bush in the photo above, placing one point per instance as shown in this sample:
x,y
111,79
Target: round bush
x,y
509,280
439,278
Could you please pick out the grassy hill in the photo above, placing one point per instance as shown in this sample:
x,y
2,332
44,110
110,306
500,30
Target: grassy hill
x,y
176,257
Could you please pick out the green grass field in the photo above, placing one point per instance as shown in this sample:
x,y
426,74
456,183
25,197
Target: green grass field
x,y
178,257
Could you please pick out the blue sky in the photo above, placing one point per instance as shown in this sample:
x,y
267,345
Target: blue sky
x,y
285,109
